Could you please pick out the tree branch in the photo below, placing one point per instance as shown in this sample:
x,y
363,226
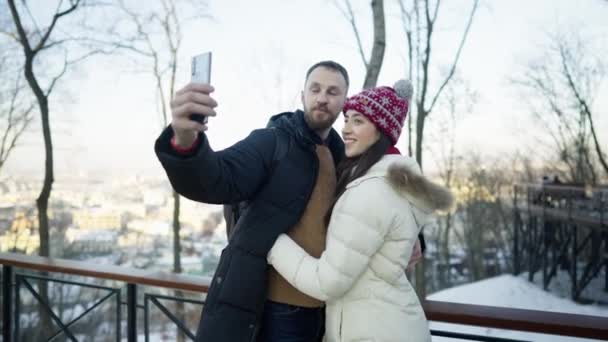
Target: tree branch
x,y
73,5
435,11
17,120
458,53
426,61
10,35
584,107
68,63
418,53
350,16
406,19
378,48
19,26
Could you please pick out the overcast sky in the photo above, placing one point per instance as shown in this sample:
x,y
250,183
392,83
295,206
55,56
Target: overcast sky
x,y
107,121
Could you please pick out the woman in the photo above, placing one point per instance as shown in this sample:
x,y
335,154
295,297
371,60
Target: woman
x,y
382,201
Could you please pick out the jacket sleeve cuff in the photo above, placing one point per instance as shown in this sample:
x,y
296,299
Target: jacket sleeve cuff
x,y
185,150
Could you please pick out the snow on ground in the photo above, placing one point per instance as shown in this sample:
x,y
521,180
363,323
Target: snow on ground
x,y
513,292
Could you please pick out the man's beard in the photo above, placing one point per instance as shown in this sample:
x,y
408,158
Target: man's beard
x,y
319,125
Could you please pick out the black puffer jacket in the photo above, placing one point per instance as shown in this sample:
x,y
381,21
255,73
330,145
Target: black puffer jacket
x,y
277,193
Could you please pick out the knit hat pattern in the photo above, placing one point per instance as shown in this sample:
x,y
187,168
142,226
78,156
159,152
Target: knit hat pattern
x,y
386,107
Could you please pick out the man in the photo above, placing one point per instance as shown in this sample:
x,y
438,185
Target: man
x,y
287,175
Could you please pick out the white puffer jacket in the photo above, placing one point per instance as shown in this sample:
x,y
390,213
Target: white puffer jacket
x,y
370,238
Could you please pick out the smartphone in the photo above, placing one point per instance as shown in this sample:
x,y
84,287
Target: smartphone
x,y
201,73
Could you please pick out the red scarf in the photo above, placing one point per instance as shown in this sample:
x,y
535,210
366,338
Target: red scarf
x,y
393,150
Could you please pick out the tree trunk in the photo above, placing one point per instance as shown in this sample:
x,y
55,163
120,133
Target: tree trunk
x,y
410,151
421,269
177,265
421,279
585,110
445,246
592,176
42,202
420,121
598,149
375,63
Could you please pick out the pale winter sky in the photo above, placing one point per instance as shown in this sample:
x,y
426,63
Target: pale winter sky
x,y
261,52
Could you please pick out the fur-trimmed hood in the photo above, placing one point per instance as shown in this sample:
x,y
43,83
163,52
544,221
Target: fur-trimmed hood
x,y
430,195
405,177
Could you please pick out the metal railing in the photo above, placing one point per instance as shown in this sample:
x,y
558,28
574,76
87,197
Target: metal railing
x,y
132,278
154,299
561,227
22,281
476,315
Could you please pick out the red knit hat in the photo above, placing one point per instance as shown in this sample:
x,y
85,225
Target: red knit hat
x,y
386,107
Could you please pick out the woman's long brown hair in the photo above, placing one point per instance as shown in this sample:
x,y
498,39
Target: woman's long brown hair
x,y
352,168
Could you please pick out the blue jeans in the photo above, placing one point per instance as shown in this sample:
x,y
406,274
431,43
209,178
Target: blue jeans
x,y
290,323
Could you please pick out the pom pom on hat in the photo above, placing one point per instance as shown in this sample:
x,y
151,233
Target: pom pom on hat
x,y
404,89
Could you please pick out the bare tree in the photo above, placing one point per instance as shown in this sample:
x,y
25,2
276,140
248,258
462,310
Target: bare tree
x,y
457,102
33,42
41,42
578,78
485,216
420,20
155,35
374,63
560,88
406,18
419,43
50,45
16,108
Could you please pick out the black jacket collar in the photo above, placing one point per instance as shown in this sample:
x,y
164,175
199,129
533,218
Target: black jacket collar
x,y
294,123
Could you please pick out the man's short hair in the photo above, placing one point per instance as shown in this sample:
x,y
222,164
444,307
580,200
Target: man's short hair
x,y
332,66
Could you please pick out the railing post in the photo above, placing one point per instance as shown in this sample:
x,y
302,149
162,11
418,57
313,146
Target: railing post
x,y
574,266
131,313
516,266
7,301
602,208
605,261
118,316
146,319
530,234
17,306
544,246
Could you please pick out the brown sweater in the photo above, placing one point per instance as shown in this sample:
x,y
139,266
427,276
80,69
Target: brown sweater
x,y
309,232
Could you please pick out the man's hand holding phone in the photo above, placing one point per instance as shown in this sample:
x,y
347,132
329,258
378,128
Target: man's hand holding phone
x,y
192,105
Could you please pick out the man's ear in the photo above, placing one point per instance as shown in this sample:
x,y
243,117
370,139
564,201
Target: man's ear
x,y
302,99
